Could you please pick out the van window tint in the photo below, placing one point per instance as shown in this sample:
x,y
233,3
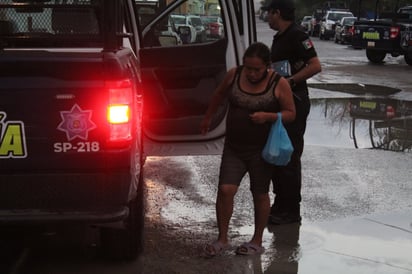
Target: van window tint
x,y
189,23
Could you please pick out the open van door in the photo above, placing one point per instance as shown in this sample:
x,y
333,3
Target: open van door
x,y
182,61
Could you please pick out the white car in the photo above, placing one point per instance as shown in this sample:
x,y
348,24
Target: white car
x,y
183,20
306,22
171,30
328,23
196,22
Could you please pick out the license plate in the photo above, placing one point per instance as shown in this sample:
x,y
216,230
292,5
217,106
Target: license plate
x,y
371,35
371,44
367,104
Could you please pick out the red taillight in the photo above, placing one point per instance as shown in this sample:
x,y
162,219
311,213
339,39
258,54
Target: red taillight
x,y
118,114
390,112
394,32
119,110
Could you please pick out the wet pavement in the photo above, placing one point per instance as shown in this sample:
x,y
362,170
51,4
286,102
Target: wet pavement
x,y
356,208
357,217
380,243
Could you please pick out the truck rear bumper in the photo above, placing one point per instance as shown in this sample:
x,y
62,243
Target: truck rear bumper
x,y
84,197
38,217
387,46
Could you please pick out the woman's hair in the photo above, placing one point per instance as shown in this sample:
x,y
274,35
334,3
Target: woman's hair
x,y
258,50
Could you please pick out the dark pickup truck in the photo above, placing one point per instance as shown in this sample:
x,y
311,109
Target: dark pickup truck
x,y
388,34
88,90
70,138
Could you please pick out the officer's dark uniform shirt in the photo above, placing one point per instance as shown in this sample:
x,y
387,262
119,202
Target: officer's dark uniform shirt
x,y
295,46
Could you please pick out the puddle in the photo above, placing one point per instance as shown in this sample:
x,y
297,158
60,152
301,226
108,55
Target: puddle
x,y
359,116
357,89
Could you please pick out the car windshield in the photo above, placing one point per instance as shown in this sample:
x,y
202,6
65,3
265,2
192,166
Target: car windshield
x,y
196,21
349,21
337,16
179,20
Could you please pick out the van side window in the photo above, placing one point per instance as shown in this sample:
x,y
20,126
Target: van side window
x,y
189,23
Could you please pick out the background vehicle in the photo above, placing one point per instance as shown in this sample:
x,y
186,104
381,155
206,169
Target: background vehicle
x,y
197,29
320,12
328,23
406,35
315,22
214,26
196,22
383,35
182,21
306,22
170,29
344,30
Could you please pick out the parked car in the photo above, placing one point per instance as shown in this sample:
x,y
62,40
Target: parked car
x,y
214,26
197,24
344,30
169,30
328,23
306,22
197,29
315,22
180,21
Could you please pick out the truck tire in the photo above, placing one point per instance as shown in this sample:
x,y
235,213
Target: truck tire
x,y
126,242
408,59
375,56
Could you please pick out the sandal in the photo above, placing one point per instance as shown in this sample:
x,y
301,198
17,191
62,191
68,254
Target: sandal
x,y
215,248
249,249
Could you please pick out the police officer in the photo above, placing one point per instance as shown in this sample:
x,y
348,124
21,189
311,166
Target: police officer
x,y
294,51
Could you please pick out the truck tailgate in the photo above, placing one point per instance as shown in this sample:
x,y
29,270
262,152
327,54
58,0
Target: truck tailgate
x,y
52,111
379,35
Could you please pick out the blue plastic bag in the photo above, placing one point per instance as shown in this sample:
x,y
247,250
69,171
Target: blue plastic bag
x,y
278,148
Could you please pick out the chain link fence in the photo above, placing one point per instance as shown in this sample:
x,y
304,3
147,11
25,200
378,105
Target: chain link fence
x,y
58,19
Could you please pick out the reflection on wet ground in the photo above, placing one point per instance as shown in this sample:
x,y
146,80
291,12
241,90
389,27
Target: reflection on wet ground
x,y
360,116
378,244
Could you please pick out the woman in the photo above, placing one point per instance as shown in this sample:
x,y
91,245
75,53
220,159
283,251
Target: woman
x,y
256,93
